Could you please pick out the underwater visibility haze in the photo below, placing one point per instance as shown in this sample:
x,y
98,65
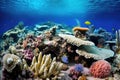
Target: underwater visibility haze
x,y
59,39
101,13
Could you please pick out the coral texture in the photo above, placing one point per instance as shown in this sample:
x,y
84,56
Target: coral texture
x,y
28,54
44,66
75,71
80,29
100,69
94,52
75,41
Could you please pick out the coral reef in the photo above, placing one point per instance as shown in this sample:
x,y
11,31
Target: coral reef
x,y
82,78
14,32
116,64
75,71
94,52
44,67
75,41
100,69
12,68
41,52
80,32
118,41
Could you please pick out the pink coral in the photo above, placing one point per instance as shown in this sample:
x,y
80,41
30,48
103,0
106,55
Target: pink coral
x,y
100,69
28,54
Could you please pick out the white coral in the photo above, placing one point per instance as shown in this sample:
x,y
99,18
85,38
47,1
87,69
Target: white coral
x,y
75,41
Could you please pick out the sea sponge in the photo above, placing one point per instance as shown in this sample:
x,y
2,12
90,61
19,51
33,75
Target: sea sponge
x,y
80,32
100,69
80,29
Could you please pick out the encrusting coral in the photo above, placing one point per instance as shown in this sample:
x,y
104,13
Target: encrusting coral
x,y
100,69
44,67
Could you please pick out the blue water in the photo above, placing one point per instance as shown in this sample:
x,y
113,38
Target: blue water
x,y
101,13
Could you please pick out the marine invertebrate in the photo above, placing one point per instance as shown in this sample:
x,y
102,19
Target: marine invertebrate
x,y
83,77
75,41
94,52
75,71
10,61
44,67
116,64
79,67
80,29
13,49
118,41
11,67
80,32
118,38
40,27
100,69
28,54
14,32
24,45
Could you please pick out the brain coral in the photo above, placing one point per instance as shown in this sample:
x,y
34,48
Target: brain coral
x,y
100,69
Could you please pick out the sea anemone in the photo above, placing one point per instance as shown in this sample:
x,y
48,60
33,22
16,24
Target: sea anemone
x,y
100,69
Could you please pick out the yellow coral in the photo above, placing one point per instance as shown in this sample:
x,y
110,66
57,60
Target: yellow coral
x,y
43,66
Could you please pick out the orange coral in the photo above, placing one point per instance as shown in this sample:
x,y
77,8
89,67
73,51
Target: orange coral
x,y
24,44
80,29
83,77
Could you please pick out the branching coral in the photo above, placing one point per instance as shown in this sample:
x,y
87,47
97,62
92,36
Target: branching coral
x,y
44,67
28,55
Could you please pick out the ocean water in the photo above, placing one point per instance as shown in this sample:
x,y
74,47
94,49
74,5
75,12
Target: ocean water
x,y
101,13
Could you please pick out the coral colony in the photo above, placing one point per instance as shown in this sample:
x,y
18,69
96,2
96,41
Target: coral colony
x,y
49,51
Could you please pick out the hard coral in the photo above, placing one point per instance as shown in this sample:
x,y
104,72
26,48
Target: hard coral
x,y
28,54
100,69
44,67
75,41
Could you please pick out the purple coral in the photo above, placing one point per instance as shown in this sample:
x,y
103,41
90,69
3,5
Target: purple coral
x,y
75,71
28,54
